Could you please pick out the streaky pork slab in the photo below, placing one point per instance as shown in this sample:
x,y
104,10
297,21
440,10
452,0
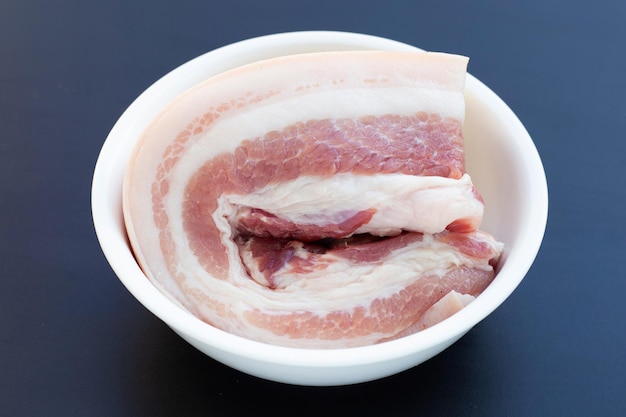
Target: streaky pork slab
x,y
315,200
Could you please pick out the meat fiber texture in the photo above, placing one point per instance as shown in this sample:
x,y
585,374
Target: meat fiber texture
x,y
316,200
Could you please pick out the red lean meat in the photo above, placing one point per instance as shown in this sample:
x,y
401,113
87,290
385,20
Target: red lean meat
x,y
316,200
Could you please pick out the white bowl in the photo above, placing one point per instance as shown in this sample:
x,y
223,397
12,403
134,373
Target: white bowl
x,y
501,158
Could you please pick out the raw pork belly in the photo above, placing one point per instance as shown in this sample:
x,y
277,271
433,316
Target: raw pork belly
x,y
316,200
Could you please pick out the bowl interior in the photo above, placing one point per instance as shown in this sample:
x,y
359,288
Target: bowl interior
x,y
501,158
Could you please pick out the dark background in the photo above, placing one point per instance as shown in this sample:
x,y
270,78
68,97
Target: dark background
x,y
74,342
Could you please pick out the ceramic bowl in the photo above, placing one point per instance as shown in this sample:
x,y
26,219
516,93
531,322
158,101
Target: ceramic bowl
x,y
501,158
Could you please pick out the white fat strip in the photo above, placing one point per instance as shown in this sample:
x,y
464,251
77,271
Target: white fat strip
x,y
353,282
402,202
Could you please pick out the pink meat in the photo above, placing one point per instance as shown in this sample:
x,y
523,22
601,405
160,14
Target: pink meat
x,y
362,147
242,230
257,222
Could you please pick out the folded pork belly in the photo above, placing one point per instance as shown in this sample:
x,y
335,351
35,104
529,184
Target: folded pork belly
x,y
316,200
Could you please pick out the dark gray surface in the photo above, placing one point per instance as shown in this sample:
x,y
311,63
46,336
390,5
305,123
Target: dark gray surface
x,y
73,341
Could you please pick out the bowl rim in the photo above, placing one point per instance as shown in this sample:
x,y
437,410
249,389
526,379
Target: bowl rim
x,y
121,260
